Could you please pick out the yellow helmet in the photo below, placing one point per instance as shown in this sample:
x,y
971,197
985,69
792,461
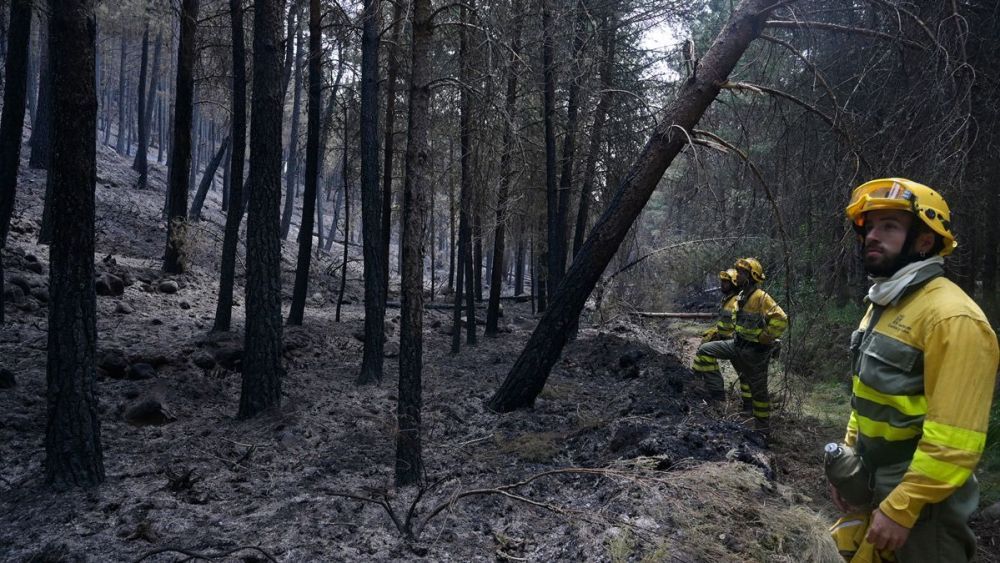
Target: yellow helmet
x,y
728,275
753,266
904,195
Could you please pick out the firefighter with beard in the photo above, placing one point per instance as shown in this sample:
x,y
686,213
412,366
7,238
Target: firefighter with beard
x,y
924,362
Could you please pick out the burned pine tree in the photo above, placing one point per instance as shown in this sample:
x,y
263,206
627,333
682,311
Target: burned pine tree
x,y
145,113
224,305
262,369
180,159
313,164
409,458
73,454
371,201
12,121
499,248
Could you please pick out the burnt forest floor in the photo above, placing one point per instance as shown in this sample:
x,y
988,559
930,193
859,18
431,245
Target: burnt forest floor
x,y
620,459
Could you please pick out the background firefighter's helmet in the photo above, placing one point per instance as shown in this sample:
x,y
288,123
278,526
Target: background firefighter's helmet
x,y
904,195
753,266
728,275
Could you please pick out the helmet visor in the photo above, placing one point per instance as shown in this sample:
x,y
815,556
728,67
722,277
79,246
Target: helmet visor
x,y
885,196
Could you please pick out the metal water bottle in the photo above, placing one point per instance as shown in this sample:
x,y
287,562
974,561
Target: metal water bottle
x,y
848,474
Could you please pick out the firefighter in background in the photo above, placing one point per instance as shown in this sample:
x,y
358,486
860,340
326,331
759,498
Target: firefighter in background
x,y
924,362
758,323
705,365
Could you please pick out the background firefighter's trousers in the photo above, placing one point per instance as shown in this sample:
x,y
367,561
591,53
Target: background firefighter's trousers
x,y
749,359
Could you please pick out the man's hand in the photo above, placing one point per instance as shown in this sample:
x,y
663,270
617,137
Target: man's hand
x,y
838,501
765,338
884,533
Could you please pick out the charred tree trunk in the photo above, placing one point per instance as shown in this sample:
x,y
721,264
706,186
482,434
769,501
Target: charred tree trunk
x,y
207,179
465,196
409,460
292,164
371,201
12,121
141,99
345,188
224,306
529,373
392,74
519,267
313,164
553,226
262,369
596,133
569,141
286,68
39,142
496,273
73,454
180,160
122,59
141,163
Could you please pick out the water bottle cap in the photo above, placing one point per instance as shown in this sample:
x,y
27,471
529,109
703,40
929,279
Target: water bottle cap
x,y
831,448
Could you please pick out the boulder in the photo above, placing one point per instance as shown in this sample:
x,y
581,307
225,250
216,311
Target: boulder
x,y
230,356
41,294
141,371
124,308
13,293
22,282
109,285
150,412
28,305
35,267
204,360
391,349
185,305
7,380
168,287
113,362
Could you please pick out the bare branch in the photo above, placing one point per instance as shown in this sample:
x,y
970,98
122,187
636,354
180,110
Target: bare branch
x,y
844,29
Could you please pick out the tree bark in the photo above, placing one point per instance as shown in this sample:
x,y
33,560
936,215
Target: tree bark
x,y
347,218
207,179
180,160
73,454
40,140
314,162
224,305
292,164
554,229
529,373
141,98
510,105
392,73
262,369
371,201
141,163
122,59
597,132
465,195
409,460
12,120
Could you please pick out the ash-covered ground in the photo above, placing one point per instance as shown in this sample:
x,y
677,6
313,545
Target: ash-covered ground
x,y
619,460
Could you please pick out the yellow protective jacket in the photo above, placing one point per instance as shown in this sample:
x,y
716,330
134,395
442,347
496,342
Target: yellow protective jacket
x,y
922,387
724,326
758,313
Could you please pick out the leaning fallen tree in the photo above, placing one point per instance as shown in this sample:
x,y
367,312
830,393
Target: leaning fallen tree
x,y
528,375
